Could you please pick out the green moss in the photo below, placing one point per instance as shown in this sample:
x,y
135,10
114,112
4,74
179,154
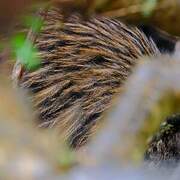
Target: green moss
x,y
168,105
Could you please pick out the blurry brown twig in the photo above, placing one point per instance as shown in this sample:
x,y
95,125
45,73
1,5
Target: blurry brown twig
x,y
133,9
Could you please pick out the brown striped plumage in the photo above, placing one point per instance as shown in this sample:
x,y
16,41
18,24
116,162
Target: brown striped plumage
x,y
84,63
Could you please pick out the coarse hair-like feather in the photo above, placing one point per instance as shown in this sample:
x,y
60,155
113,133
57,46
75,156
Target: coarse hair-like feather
x,y
84,64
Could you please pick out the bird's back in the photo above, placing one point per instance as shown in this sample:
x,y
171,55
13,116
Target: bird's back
x,y
84,64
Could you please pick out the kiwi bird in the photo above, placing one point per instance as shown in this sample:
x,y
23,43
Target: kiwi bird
x,y
84,64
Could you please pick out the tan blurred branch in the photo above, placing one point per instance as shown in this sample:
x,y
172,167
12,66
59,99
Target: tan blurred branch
x,y
133,9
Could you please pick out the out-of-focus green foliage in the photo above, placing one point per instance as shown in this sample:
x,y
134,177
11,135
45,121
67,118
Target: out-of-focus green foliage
x,y
24,50
35,23
148,7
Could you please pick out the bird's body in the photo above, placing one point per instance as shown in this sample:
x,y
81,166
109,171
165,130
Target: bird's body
x,y
84,64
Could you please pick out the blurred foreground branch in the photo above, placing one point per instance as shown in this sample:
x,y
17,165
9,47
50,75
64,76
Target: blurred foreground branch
x,y
115,143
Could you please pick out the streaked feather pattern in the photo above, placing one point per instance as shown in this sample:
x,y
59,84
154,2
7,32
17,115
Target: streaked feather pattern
x,y
84,63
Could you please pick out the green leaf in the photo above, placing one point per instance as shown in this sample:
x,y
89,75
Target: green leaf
x,y
25,52
35,23
18,41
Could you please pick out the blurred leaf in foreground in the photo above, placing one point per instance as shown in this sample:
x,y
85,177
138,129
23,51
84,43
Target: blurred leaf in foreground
x,y
148,7
25,52
35,23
